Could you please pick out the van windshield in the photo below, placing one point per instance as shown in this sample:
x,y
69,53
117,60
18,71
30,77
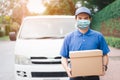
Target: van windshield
x,y
42,28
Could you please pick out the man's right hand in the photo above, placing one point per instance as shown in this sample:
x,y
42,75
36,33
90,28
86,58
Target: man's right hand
x,y
66,67
68,70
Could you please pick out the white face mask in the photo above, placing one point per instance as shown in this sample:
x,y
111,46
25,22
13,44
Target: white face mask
x,y
83,24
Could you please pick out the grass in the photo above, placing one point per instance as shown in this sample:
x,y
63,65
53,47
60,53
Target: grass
x,y
4,38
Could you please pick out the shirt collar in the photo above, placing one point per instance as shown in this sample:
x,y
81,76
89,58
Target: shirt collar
x,y
78,33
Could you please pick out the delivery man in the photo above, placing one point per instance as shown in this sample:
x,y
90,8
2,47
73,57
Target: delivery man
x,y
83,38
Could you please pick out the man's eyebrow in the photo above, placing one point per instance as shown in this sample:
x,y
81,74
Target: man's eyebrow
x,y
86,17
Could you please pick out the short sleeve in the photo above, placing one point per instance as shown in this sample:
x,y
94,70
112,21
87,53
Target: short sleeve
x,y
65,48
103,45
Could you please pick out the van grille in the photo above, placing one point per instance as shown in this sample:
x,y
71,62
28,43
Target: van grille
x,y
45,60
58,57
49,74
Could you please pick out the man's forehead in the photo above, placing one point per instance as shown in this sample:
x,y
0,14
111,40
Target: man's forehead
x,y
83,14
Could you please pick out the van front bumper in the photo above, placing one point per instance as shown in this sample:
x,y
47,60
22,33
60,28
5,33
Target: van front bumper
x,y
40,72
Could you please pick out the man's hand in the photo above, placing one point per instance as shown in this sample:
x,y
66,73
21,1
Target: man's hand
x,y
66,67
105,67
68,70
106,59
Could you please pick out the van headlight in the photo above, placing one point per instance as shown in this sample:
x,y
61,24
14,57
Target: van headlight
x,y
19,59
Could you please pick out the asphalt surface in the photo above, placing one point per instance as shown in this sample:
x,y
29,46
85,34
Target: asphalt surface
x,y
113,72
6,60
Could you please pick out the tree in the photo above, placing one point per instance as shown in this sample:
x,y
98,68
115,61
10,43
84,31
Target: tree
x,y
15,8
19,11
102,3
94,5
5,9
59,7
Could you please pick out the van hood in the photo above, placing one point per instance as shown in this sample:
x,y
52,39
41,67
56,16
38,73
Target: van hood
x,y
38,47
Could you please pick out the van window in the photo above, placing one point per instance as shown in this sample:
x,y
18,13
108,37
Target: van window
x,y
46,28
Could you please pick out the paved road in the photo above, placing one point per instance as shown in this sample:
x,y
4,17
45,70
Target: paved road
x,y
7,62
113,72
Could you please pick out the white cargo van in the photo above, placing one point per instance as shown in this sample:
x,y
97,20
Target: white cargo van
x,y
38,46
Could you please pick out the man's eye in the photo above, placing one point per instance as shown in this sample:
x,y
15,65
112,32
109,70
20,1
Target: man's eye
x,y
86,18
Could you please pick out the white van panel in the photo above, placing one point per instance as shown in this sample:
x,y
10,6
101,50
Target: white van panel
x,y
38,45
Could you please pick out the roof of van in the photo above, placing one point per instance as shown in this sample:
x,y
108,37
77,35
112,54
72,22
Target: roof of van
x,y
50,16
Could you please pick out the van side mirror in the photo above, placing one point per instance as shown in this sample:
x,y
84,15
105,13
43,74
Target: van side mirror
x,y
12,36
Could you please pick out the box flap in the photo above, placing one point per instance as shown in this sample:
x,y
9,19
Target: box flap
x,y
85,53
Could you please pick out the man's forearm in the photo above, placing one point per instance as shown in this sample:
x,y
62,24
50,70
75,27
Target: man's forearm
x,y
105,61
65,65
64,62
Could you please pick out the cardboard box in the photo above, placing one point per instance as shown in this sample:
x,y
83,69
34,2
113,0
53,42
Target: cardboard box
x,y
86,63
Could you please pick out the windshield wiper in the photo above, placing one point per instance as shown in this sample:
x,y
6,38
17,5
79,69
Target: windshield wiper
x,y
50,37
44,37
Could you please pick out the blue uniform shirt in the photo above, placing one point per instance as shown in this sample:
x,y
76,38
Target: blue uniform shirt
x,y
75,41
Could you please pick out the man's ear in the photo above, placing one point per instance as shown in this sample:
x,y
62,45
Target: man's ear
x,y
90,19
75,17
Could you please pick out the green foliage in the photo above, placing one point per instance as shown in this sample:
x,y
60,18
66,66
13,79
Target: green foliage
x,y
7,19
59,7
108,20
19,12
111,11
4,38
2,33
0,19
111,27
113,41
7,29
101,3
14,27
94,5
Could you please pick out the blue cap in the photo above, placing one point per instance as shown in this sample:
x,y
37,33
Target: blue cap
x,y
82,10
